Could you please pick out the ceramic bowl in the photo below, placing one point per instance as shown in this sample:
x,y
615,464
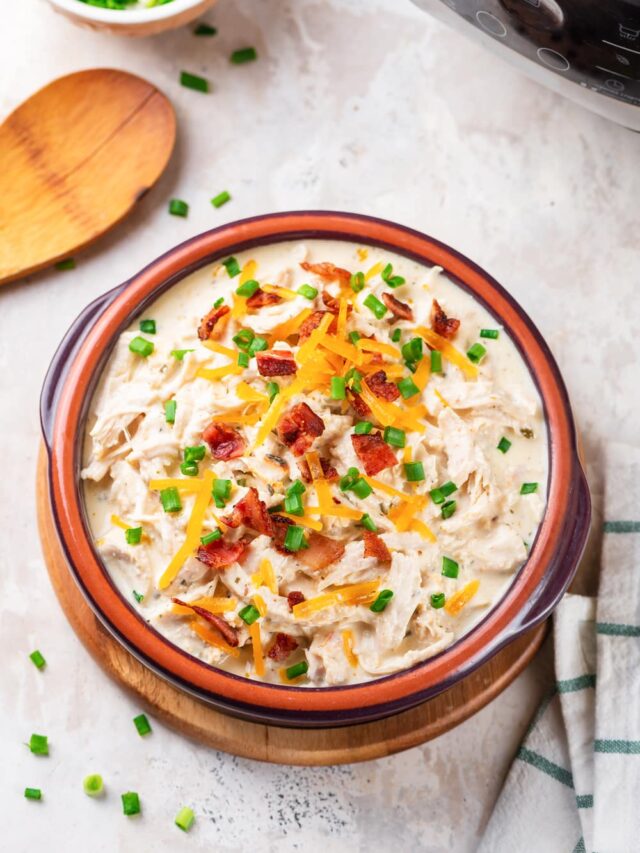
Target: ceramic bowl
x,y
535,590
133,22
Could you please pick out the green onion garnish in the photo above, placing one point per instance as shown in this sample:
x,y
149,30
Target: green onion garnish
x,y
249,614
133,535
221,198
221,492
142,724
395,437
185,818
368,523
170,500
363,428
392,280
295,538
245,54
408,387
66,264
33,793
296,488
179,354
476,353
232,267
194,81
218,302
39,744
211,537
357,281
448,509
93,785
177,207
130,803
170,411
349,479
140,346
258,344
148,327
354,337
338,388
273,389
528,488
195,454
205,30
490,333
307,291
361,489
375,306
138,597
353,378
384,597
243,359
436,361
248,288
396,335
38,659
437,600
243,338
293,505
296,670
450,568
412,350
414,471
503,445
439,494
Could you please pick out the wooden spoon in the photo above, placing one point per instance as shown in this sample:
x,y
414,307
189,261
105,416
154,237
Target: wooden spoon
x,y
75,157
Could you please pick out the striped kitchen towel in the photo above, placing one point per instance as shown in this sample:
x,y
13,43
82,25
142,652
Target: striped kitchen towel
x,y
574,785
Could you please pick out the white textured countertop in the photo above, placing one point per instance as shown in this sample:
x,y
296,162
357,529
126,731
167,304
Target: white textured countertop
x,y
362,105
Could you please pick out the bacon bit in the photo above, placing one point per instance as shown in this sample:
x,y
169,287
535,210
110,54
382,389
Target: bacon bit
x,y
328,272
359,406
280,527
224,441
374,546
261,299
332,304
252,512
397,308
207,329
373,452
283,646
220,554
276,362
227,631
299,427
294,598
441,324
328,470
312,322
378,384
322,551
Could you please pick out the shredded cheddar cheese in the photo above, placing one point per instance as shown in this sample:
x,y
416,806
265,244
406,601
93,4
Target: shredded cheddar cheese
x,y
256,643
374,270
282,292
118,522
260,604
248,272
347,645
448,350
362,254
214,346
444,402
342,317
378,346
239,307
207,602
289,327
308,347
250,395
212,638
215,373
461,598
188,484
302,521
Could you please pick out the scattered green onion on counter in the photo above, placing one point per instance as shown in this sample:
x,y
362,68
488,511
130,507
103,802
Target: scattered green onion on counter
x,y
131,803
142,724
245,54
33,793
205,30
66,264
185,818
39,744
220,199
38,660
178,207
93,785
193,81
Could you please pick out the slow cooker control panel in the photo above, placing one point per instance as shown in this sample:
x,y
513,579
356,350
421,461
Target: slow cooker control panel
x,y
595,44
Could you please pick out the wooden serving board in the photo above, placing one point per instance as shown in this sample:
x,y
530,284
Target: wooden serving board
x,y
271,743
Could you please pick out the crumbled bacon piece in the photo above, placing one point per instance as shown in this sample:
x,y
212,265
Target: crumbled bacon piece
x,y
379,385
441,324
261,299
397,308
223,627
328,272
294,598
321,551
220,554
312,322
283,646
252,512
328,470
280,527
374,546
224,441
359,406
212,324
299,427
373,452
331,303
276,362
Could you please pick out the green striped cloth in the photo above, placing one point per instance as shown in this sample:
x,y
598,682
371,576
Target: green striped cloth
x,y
574,785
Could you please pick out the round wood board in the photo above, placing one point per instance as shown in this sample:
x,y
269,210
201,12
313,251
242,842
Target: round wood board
x,y
271,743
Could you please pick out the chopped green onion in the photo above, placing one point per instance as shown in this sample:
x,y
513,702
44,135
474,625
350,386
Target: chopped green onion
x,y
133,535
245,54
218,302
170,500
528,488
307,291
338,388
414,471
170,411
189,469
408,387
249,614
375,306
248,288
243,359
33,793
66,264
258,344
177,207
148,326
179,354
273,389
361,489
412,350
293,505
349,479
476,353
503,445
243,339
436,361
205,30
221,198
232,267
363,428
194,81
297,670
130,803
396,335
368,523
448,509
448,488
384,597
142,724
211,537
140,346
37,659
195,454
392,280
296,488
357,281
221,492
354,337
354,379
185,818
450,568
138,597
395,437
490,333
39,744
295,538
437,600
93,785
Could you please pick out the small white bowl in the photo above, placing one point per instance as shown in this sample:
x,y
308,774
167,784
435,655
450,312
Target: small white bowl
x,y
132,22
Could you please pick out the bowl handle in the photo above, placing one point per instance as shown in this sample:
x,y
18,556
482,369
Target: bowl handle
x,y
64,356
